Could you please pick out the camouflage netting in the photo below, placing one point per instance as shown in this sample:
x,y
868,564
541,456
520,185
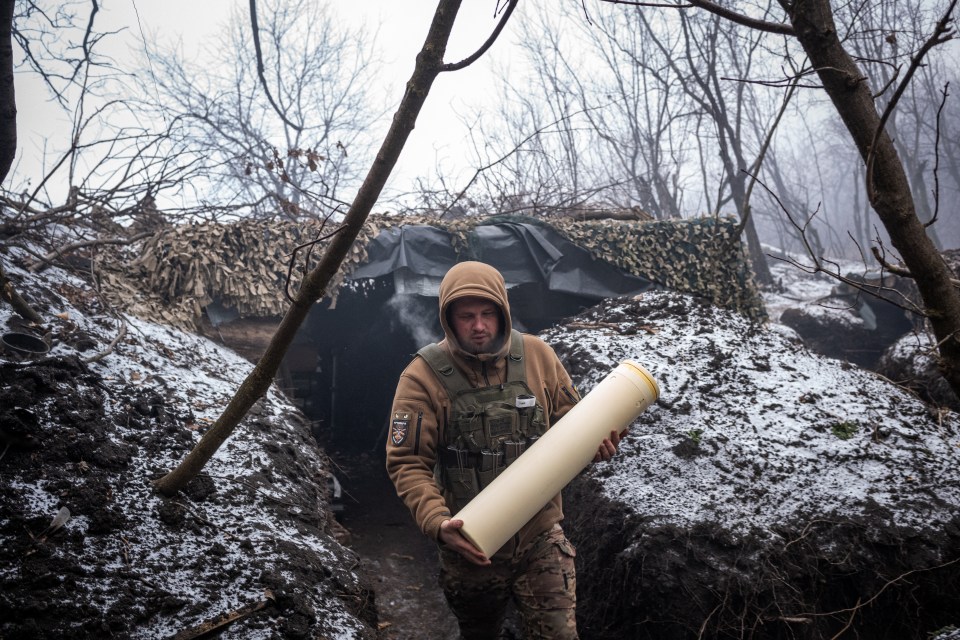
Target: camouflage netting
x,y
244,265
702,256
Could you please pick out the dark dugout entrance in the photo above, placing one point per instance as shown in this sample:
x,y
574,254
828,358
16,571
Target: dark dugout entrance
x,y
343,367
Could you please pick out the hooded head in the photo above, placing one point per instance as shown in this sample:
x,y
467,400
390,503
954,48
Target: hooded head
x,y
475,282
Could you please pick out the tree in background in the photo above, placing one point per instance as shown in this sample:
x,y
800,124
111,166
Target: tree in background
x,y
810,173
579,126
922,123
846,83
636,109
295,157
105,166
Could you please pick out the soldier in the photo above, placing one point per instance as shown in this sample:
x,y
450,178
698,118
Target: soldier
x,y
464,409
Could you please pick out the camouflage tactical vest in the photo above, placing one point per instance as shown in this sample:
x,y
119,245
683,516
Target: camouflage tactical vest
x,y
488,428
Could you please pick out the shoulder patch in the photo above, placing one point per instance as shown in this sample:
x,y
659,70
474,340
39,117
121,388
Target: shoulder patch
x,y
399,428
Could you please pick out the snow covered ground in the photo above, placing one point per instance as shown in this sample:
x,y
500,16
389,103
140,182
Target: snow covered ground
x,y
746,411
253,531
755,444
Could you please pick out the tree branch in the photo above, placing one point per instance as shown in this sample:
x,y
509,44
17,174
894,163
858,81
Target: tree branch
x,y
10,294
897,270
941,33
97,357
260,70
466,62
723,12
490,165
59,253
936,157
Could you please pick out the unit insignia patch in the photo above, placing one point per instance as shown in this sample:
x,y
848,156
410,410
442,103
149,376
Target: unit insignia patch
x,y
399,428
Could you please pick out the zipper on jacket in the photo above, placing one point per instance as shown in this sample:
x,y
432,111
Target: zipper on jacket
x,y
569,394
483,372
416,440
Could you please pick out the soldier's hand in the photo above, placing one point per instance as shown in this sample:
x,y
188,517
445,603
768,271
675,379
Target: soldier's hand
x,y
450,535
609,446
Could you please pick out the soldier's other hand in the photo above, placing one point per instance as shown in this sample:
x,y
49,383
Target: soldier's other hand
x,y
608,448
451,536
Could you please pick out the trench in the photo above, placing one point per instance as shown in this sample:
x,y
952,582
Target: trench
x,y
398,562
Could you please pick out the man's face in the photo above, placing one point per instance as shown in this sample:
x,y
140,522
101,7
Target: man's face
x,y
476,324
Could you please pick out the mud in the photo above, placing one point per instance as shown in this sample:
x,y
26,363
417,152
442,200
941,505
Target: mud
x,y
398,562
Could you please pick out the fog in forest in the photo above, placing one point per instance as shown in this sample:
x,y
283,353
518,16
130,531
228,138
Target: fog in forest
x,y
586,106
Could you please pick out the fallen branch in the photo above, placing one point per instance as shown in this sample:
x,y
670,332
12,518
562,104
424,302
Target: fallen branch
x,y
224,619
593,325
113,343
46,260
10,294
613,327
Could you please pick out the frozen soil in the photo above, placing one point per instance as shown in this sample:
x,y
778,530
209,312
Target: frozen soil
x,y
770,492
89,549
131,564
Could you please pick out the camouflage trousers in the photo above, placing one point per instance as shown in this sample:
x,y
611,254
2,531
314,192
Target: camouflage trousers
x,y
541,581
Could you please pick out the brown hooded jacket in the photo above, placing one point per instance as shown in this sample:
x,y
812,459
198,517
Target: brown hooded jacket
x,y
421,405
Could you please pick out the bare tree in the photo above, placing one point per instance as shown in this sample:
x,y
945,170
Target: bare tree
x,y
106,171
813,25
886,36
595,130
283,132
650,107
717,60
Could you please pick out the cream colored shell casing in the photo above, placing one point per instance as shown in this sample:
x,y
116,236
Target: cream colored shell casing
x,y
523,488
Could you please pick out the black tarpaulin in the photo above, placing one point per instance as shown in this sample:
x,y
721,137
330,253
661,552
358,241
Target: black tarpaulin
x,y
424,250
522,252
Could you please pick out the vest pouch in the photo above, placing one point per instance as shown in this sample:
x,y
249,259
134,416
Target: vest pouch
x,y
470,426
491,464
512,450
500,421
463,484
538,423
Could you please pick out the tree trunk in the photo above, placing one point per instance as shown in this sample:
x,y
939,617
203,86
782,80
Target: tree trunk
x,y
889,191
758,259
761,270
8,101
429,63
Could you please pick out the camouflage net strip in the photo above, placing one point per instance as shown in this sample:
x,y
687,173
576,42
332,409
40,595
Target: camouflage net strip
x,y
701,256
173,275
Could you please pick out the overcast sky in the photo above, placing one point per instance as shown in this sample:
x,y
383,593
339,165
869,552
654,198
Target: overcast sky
x,y
403,25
